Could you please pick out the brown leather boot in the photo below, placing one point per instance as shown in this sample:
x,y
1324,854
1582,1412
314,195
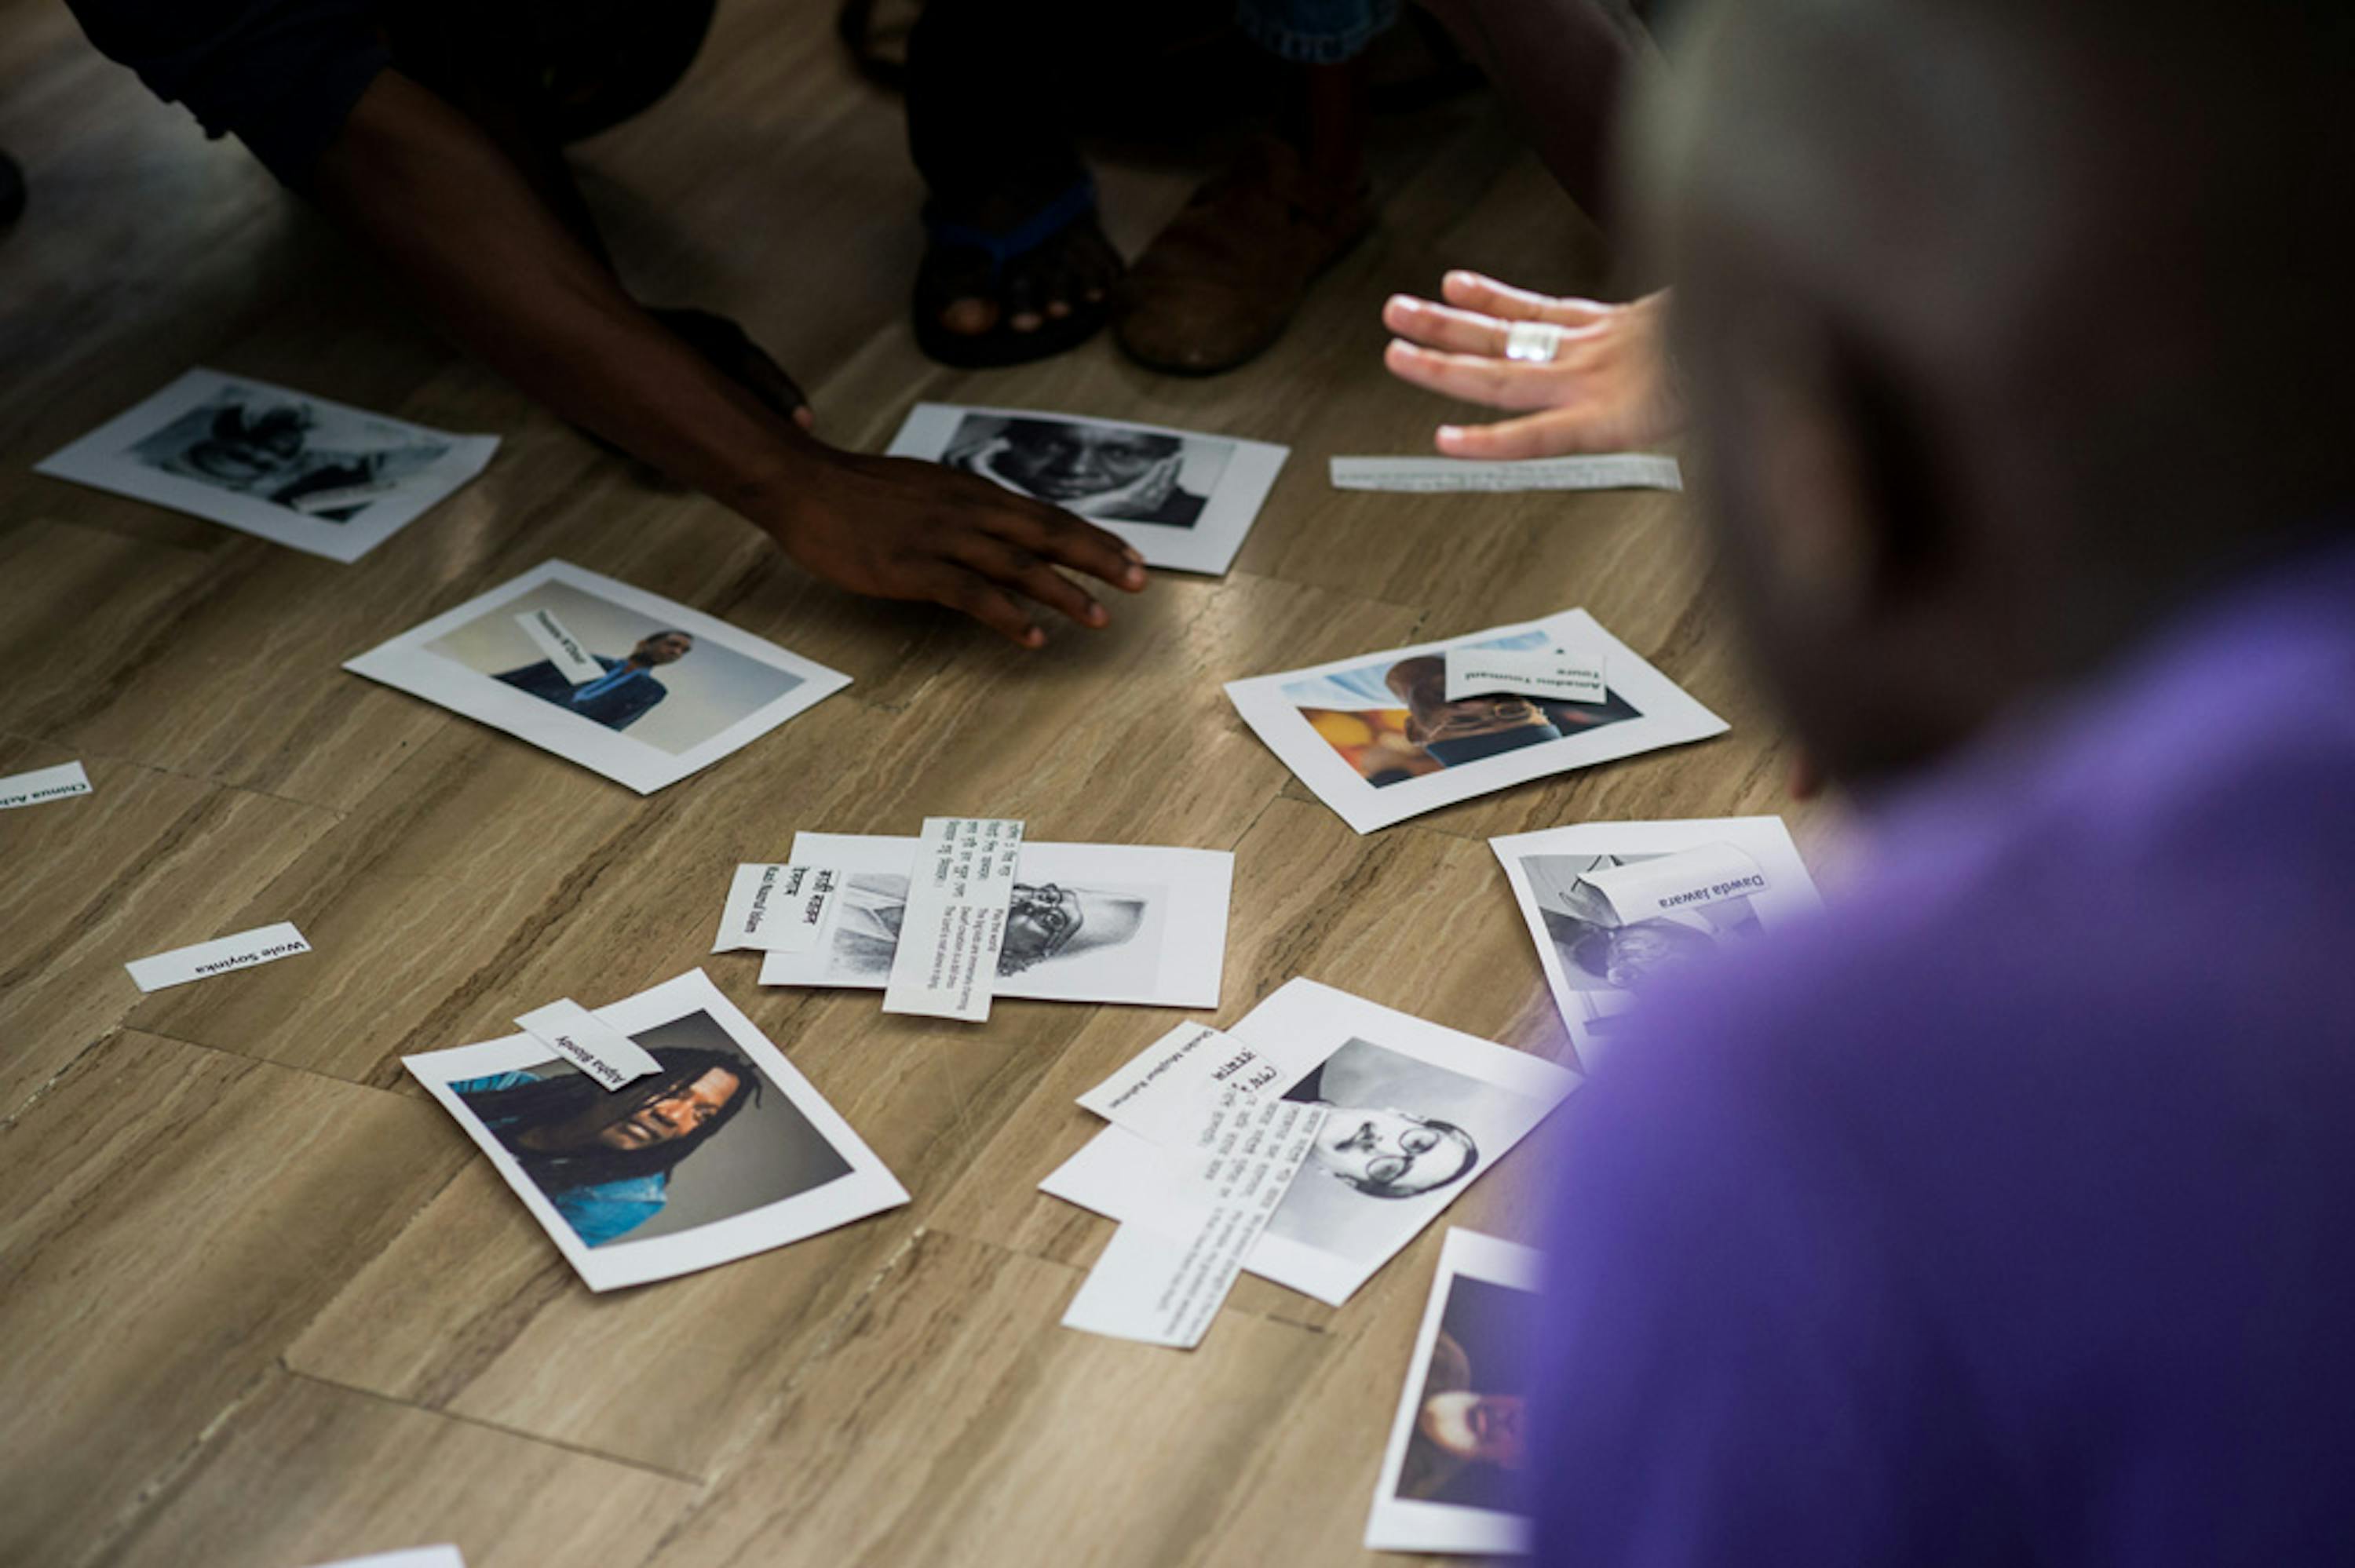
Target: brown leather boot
x,y
1220,283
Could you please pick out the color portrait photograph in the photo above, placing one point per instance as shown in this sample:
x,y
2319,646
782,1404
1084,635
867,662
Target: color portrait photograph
x,y
638,687
723,1150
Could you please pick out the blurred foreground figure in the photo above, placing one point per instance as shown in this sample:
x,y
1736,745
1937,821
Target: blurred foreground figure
x,y
2007,1215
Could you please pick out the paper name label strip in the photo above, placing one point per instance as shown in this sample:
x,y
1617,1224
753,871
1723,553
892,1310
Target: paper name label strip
x,y
43,785
1555,675
559,646
1604,471
609,1058
1161,1093
778,908
1666,885
1160,1288
262,945
954,925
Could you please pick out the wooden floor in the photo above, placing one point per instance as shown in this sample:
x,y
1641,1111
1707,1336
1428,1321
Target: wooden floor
x,y
261,1305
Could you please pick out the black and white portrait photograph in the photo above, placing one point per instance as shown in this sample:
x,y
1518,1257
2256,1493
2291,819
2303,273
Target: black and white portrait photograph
x,y
303,471
1599,965
1459,1453
639,688
1184,500
722,1151
1379,741
1415,1114
1126,923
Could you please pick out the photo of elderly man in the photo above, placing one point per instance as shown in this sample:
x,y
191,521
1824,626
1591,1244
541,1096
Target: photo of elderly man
x,y
617,699
1110,472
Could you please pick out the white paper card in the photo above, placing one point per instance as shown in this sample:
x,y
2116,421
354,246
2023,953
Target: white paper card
x,y
1458,1439
946,963
1603,952
414,1557
43,785
1161,1289
778,908
1182,499
1623,894
1419,1113
181,965
609,1058
1557,674
1604,471
686,689
559,646
1160,1094
320,476
1378,740
1138,925
749,1154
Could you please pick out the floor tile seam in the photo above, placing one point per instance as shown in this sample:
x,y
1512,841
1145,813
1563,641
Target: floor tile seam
x,y
481,1423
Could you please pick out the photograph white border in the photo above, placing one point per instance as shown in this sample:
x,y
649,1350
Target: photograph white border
x,y
1200,884
1210,546
1124,1177
1667,715
869,1189
1410,1524
406,663
102,461
1790,891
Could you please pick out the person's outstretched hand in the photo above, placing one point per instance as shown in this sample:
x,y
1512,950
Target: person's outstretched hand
x,y
1607,389
897,528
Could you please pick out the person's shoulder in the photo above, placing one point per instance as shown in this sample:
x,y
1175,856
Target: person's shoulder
x,y
649,1188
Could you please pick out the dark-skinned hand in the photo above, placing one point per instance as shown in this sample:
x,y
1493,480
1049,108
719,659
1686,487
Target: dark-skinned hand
x,y
897,528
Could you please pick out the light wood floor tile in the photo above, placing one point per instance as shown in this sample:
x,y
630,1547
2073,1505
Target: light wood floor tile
x,y
169,1218
146,862
952,1423
304,1473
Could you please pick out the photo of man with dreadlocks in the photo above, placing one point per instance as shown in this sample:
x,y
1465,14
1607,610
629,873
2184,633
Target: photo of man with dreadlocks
x,y
722,1150
605,1158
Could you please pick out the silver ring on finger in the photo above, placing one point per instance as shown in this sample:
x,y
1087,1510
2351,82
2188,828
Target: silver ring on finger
x,y
1532,343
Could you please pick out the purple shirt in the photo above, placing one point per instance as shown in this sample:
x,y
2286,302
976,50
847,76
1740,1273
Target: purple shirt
x,y
2006,1213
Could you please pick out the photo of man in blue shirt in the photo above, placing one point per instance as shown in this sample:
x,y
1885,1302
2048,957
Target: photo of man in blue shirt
x,y
604,1159
621,696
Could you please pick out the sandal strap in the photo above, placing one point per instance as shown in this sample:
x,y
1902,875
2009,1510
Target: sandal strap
x,y
1002,245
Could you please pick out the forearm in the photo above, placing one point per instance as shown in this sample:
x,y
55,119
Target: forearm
x,y
452,216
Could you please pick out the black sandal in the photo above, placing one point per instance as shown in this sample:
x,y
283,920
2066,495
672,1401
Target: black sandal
x,y
1002,345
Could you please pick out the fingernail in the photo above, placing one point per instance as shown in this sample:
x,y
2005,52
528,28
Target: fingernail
x,y
1401,303
1033,638
1133,576
1097,616
1451,433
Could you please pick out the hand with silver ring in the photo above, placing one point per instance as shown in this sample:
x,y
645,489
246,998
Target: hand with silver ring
x,y
1586,376
1532,343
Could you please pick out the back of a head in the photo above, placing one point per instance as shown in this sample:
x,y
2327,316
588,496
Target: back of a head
x,y
2012,325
